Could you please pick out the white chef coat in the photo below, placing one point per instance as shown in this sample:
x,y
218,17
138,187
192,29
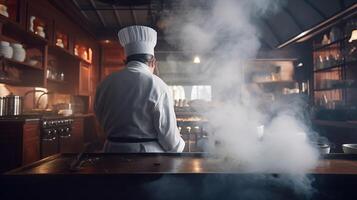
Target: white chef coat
x,y
135,103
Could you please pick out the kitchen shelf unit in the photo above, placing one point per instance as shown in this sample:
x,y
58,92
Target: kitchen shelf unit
x,y
37,76
22,73
334,72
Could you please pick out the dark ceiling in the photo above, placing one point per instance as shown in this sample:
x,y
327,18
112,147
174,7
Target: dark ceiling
x,y
108,16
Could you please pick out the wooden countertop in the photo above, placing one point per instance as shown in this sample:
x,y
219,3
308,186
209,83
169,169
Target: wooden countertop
x,y
340,124
186,163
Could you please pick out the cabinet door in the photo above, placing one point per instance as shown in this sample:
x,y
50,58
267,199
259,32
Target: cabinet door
x,y
31,142
84,79
75,142
10,145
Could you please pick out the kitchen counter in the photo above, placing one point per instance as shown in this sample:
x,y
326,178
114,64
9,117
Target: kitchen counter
x,y
338,124
173,176
185,163
20,118
37,117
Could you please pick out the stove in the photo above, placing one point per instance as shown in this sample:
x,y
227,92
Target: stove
x,y
55,134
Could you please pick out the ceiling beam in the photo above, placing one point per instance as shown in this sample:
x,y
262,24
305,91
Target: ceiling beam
x,y
79,8
99,15
71,10
117,16
322,14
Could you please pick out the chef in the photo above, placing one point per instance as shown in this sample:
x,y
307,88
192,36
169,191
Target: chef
x,y
134,106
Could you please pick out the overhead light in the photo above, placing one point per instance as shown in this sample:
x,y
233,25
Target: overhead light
x,y
196,60
300,64
353,36
106,41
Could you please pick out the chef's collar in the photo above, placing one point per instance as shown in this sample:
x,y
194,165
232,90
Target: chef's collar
x,y
138,65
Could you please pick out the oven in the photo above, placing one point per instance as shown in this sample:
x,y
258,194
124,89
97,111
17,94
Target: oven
x,y
55,134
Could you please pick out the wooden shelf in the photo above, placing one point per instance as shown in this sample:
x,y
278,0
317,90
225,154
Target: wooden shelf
x,y
61,52
336,88
325,46
56,81
82,60
339,124
14,31
23,65
329,68
11,81
327,89
275,83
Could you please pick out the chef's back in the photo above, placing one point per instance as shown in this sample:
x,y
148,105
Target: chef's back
x,y
135,110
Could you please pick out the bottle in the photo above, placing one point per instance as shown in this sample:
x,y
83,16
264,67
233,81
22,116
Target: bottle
x,y
32,19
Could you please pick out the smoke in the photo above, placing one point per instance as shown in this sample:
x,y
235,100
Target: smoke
x,y
225,34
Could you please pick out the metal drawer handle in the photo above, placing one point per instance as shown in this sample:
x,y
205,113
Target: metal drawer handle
x,y
65,136
49,139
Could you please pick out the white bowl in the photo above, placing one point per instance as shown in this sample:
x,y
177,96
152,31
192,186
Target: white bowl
x,y
349,148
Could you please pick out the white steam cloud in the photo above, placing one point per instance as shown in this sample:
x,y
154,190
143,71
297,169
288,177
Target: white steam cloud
x,y
223,31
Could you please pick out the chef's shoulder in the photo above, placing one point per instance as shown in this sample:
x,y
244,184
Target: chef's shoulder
x,y
159,87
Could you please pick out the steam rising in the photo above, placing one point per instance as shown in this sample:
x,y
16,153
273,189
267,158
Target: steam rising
x,y
224,31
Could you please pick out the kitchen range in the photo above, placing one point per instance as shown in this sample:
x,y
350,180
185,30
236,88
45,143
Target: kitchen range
x,y
55,134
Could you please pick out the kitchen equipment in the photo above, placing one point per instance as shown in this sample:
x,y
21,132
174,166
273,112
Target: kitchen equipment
x,y
59,43
323,148
3,10
350,148
335,34
19,52
13,105
55,135
325,40
2,106
40,31
5,49
32,19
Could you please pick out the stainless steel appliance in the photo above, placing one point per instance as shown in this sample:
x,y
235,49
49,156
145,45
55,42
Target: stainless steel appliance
x,y
11,105
55,134
2,106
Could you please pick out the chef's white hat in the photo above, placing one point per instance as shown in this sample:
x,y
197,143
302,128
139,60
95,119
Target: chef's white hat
x,y
138,40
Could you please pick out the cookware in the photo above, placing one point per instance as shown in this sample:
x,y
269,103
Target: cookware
x,y
13,105
323,148
2,106
349,148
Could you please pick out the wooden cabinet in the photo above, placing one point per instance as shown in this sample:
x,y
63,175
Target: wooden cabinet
x,y
113,58
19,143
84,79
47,64
31,142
